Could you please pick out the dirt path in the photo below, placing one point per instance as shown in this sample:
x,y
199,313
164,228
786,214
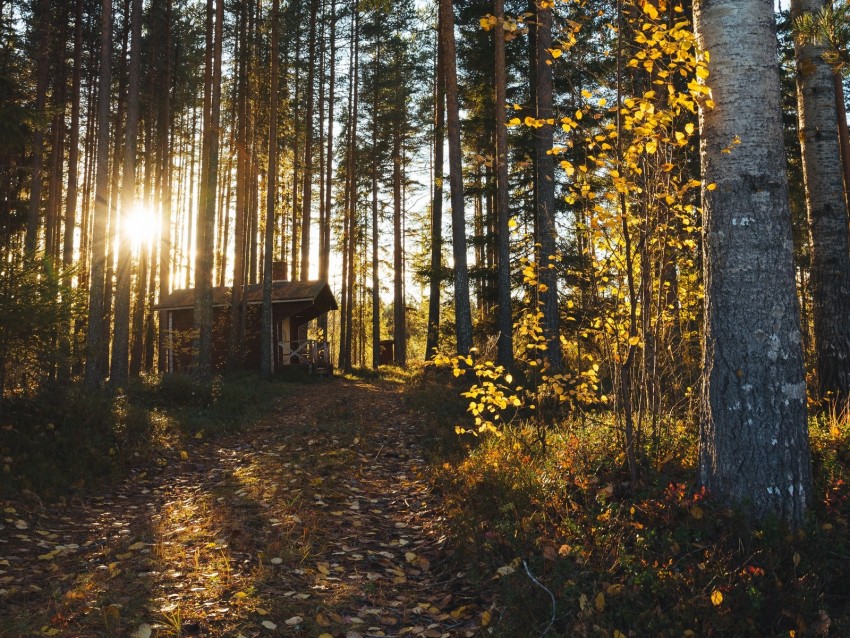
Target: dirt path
x,y
317,521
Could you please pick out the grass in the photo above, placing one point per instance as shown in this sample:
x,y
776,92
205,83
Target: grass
x,y
69,439
659,558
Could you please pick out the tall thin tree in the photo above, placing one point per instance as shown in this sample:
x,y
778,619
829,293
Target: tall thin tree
x,y
307,198
97,334
433,334
828,232
119,367
505,352
545,184
463,312
266,351
203,317
42,79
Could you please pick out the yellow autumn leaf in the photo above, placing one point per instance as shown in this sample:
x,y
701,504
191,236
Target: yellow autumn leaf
x,y
322,620
650,10
184,456
633,341
619,634
651,146
599,602
488,22
485,617
696,512
716,597
711,187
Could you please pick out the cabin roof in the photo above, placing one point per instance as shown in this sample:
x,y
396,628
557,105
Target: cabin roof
x,y
283,292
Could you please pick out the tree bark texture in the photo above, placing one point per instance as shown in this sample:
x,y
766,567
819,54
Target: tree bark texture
x,y
545,188
42,78
96,335
206,218
754,450
433,335
121,332
325,231
266,341
463,312
827,213
307,199
504,322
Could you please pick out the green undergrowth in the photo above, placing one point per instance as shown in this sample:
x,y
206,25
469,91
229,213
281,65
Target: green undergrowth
x,y
657,558
69,439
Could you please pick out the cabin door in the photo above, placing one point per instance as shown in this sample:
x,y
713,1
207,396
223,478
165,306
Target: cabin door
x,y
283,350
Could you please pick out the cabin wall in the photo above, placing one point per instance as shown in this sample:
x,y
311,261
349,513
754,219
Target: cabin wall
x,y
178,327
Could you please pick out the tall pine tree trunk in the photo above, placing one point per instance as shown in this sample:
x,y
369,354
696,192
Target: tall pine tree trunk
x,y
545,187
165,141
827,211
97,335
296,158
399,327
505,352
71,196
433,334
266,341
42,78
121,331
307,199
325,230
376,286
843,132
754,449
463,313
237,332
203,318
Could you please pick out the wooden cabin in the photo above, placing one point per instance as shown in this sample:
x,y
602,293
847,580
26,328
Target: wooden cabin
x,y
294,304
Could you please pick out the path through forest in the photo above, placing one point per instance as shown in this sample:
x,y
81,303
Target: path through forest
x,y
317,520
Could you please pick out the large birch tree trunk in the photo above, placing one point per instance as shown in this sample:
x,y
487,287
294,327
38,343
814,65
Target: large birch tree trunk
x,y
754,450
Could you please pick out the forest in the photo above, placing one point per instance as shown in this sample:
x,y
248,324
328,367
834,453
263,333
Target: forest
x,y
368,318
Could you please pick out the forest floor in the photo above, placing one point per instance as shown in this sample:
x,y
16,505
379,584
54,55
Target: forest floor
x,y
317,520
